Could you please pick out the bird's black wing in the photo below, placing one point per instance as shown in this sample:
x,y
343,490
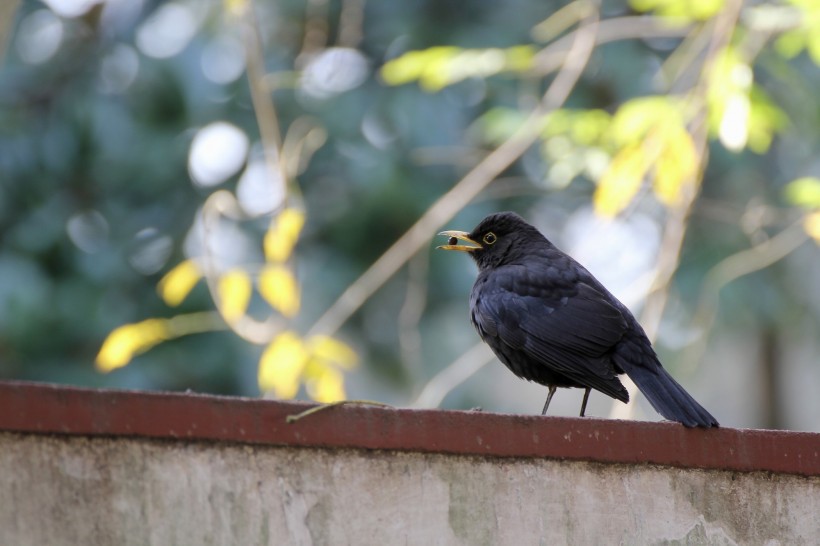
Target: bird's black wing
x,y
570,328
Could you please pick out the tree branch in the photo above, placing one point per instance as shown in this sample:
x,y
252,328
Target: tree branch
x,y
448,205
453,375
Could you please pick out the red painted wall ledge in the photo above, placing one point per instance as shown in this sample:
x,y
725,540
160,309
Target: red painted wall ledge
x,y
51,409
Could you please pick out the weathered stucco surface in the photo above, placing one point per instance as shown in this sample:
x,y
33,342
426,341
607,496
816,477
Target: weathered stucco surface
x,y
74,490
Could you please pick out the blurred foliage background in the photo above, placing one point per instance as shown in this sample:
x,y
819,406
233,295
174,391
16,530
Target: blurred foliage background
x,y
279,149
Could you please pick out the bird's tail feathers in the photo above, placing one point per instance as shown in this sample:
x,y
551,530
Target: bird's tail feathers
x,y
667,396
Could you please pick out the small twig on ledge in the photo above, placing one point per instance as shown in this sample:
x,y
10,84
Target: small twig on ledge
x,y
315,409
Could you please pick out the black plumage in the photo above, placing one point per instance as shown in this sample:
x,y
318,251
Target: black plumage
x,y
550,321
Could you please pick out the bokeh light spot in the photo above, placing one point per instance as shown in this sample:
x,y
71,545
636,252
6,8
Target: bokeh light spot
x,y
334,71
167,31
39,37
88,230
151,251
260,189
118,69
70,8
217,153
223,59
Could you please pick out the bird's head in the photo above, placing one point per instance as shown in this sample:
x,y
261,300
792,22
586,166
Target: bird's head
x,y
500,238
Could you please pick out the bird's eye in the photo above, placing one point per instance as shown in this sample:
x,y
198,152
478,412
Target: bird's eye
x,y
490,238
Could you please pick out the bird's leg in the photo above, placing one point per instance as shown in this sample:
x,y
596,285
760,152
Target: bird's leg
x,y
549,397
584,403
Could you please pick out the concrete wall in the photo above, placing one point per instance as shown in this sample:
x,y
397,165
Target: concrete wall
x,y
75,490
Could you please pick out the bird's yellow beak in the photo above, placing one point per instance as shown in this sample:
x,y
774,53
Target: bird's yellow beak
x,y
456,236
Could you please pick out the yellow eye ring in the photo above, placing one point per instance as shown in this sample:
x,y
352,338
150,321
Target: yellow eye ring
x,y
489,238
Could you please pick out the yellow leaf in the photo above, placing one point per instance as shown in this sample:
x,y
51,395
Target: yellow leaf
x,y
414,64
175,286
519,58
804,192
812,226
676,166
279,288
681,10
235,7
636,118
282,364
282,235
403,69
129,340
621,181
437,73
327,386
234,290
437,67
332,350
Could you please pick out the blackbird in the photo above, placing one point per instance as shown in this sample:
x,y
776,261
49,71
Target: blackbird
x,y
550,321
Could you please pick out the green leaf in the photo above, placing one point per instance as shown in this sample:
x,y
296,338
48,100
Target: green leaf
x,y
813,45
499,124
765,119
588,127
557,123
805,36
791,43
